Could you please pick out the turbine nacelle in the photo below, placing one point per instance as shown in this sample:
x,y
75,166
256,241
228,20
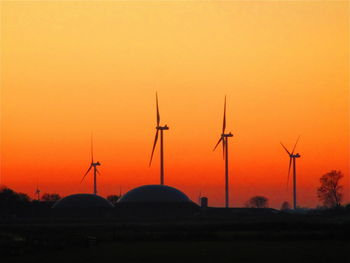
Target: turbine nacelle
x,y
295,155
96,164
162,128
227,135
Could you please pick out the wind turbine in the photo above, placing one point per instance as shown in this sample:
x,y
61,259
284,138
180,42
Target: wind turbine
x,y
161,129
37,192
224,139
292,158
92,165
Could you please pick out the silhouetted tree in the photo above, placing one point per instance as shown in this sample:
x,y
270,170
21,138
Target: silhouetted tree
x,y
50,197
257,202
113,198
330,191
285,205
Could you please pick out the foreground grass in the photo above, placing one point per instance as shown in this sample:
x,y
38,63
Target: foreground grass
x,y
198,251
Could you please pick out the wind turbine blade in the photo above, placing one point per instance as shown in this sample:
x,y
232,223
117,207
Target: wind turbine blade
x,y
154,146
290,164
98,171
285,149
86,173
217,143
224,121
296,144
158,115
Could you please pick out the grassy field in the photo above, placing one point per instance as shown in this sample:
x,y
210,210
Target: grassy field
x,y
266,238
327,251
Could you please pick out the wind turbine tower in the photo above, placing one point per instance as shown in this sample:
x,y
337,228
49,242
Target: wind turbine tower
x,y
93,165
161,129
199,197
37,192
292,160
224,140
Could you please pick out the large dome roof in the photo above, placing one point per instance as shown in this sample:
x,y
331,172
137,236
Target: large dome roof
x,y
83,201
154,193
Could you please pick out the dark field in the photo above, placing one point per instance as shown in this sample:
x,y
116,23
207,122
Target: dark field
x,y
235,238
199,251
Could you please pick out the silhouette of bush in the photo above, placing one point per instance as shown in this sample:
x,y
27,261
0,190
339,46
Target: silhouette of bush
x,y
285,206
257,202
113,199
50,197
11,201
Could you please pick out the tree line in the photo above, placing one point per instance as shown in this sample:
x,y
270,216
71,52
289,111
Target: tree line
x,y
330,194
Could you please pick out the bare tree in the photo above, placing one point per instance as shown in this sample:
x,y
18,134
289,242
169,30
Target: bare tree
x,y
285,206
257,202
50,197
330,191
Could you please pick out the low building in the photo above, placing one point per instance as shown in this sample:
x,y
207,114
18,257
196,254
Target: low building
x,y
155,201
82,205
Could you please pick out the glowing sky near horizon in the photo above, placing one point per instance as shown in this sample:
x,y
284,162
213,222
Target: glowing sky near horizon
x,y
72,68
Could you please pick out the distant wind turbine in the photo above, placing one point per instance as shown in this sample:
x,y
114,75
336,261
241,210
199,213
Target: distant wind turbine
x,y
92,165
292,157
224,140
161,129
37,192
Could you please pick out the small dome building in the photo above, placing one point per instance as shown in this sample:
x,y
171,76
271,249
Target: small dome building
x,y
82,205
155,201
83,201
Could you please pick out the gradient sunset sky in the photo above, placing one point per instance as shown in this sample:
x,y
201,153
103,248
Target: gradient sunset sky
x,y
69,69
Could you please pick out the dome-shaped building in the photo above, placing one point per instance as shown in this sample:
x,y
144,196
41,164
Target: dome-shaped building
x,y
154,193
83,201
82,205
155,201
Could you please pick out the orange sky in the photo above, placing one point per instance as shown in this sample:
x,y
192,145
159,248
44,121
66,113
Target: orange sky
x,y
72,68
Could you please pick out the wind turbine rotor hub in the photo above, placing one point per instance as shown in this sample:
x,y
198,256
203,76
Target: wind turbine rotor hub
x,y
162,127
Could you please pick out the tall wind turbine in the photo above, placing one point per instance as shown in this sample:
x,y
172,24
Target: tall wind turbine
x,y
292,158
224,140
92,165
161,129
